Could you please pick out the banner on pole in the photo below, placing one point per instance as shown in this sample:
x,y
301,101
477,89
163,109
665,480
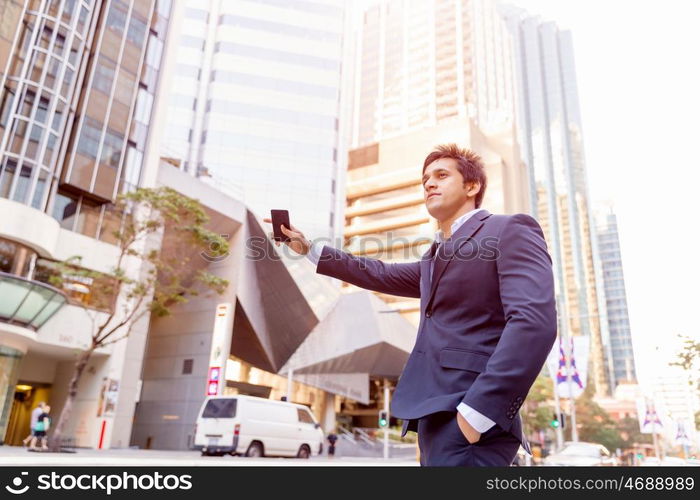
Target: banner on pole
x,y
683,430
649,415
578,366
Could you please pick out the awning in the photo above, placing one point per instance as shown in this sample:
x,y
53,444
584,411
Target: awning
x,y
362,334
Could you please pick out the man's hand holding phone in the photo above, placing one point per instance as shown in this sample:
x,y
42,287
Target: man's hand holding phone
x,y
294,237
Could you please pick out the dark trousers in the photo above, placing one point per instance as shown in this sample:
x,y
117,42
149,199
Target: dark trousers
x,y
442,443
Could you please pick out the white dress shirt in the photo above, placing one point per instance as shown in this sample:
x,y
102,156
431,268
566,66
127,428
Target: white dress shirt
x,y
478,421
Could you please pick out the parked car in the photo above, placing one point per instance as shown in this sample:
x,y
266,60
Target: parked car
x,y
581,454
256,427
667,461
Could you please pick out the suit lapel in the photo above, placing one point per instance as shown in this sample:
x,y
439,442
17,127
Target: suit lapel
x,y
425,266
451,246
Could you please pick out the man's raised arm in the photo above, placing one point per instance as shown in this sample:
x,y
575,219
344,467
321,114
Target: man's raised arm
x,y
372,274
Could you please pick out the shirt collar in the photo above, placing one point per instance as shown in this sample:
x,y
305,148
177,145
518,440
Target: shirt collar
x,y
456,224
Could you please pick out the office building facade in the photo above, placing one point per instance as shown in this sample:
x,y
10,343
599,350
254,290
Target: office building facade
x,y
255,104
621,353
551,141
77,80
422,63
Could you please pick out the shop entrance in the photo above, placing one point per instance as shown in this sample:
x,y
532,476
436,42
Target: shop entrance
x,y
27,396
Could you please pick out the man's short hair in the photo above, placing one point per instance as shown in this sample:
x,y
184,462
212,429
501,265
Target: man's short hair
x,y
469,165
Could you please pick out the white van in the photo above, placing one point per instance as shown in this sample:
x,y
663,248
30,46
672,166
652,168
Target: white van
x,y
256,427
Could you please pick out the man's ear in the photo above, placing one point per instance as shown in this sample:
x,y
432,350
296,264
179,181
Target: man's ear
x,y
473,188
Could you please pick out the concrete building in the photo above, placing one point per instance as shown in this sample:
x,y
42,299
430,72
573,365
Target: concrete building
x,y
551,140
621,357
425,73
255,104
420,63
77,81
623,403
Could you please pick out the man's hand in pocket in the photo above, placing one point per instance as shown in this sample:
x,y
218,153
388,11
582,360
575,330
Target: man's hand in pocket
x,y
471,434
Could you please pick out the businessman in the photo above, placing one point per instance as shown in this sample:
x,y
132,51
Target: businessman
x,y
488,317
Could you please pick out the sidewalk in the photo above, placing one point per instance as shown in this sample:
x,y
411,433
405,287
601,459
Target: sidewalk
x,y
17,456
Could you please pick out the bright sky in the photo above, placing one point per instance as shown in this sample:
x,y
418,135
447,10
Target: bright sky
x,y
639,88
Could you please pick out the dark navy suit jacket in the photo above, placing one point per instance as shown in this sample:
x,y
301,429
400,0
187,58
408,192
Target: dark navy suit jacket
x,y
488,317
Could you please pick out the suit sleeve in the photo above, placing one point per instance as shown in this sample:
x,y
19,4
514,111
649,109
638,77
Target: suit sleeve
x,y
402,279
526,285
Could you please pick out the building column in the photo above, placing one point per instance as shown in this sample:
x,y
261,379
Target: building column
x,y
328,421
10,359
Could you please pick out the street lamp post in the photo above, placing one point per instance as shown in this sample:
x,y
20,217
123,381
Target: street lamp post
x,y
568,352
559,432
386,409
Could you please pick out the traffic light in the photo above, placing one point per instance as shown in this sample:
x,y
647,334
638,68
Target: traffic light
x,y
558,420
555,421
383,419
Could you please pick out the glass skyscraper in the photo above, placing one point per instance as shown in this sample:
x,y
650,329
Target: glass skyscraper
x,y
77,81
621,357
255,104
551,143
421,63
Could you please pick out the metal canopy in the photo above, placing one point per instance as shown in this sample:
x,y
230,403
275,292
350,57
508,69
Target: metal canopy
x,y
362,334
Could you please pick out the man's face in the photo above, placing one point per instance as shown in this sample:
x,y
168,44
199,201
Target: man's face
x,y
444,189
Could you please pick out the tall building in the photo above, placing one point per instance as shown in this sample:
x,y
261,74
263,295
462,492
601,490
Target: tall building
x,y
621,355
425,73
551,141
255,104
77,82
421,63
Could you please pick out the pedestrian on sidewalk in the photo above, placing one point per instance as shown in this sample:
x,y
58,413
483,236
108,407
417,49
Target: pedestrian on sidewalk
x,y
32,422
332,438
40,429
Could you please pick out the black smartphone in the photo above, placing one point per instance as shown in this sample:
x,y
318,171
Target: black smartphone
x,y
280,217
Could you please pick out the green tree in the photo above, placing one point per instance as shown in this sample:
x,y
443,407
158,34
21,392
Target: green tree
x,y
144,279
595,424
630,434
689,354
537,412
688,358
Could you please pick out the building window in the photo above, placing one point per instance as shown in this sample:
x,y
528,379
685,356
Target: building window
x,y
16,258
104,76
362,157
136,32
89,140
112,149
187,366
